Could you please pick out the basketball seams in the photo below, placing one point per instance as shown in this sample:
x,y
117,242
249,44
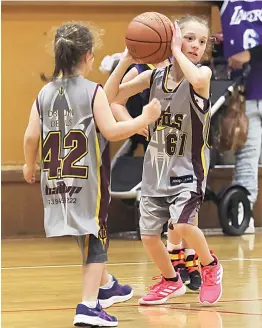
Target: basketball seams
x,y
142,41
147,55
166,35
149,39
137,21
160,42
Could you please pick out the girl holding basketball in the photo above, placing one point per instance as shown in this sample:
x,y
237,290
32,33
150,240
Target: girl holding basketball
x,y
177,157
184,259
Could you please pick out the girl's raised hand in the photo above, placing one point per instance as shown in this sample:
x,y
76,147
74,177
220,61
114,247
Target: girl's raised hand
x,y
176,43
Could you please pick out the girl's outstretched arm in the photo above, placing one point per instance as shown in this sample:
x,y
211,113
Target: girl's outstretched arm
x,y
113,130
117,92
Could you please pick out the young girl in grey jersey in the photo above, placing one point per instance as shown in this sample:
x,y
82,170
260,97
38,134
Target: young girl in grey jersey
x,y
74,120
184,259
177,158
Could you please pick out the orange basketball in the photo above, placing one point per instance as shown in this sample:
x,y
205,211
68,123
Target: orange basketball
x,y
148,37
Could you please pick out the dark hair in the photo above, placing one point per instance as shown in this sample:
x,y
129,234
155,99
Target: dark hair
x,y
71,42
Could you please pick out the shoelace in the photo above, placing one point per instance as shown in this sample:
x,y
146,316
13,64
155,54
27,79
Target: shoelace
x,y
209,276
156,286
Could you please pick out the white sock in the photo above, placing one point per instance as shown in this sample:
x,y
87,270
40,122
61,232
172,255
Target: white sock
x,y
109,284
170,247
91,304
189,251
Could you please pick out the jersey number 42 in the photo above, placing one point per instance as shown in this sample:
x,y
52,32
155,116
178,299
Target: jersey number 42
x,y
57,166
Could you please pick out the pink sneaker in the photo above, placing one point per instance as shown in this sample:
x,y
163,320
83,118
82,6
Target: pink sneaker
x,y
162,291
211,288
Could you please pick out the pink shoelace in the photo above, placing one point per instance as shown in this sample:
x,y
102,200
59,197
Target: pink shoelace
x,y
209,276
156,287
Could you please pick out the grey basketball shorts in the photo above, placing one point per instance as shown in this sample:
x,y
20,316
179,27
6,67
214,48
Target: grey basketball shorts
x,y
156,211
94,250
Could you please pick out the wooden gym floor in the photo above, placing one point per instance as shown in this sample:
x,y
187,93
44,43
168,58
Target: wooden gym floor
x,y
41,284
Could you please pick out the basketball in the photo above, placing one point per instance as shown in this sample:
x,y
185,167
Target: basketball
x,y
148,38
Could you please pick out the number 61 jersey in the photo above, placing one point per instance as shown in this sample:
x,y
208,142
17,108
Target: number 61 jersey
x,y
75,170
177,157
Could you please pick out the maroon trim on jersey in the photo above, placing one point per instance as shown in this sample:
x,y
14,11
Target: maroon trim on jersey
x,y
164,81
37,106
94,95
206,101
104,186
152,78
167,69
197,143
191,207
92,104
38,109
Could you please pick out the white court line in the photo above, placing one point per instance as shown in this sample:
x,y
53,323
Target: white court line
x,y
109,264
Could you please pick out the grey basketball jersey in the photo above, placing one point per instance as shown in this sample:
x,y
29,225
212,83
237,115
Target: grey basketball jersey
x,y
177,157
75,170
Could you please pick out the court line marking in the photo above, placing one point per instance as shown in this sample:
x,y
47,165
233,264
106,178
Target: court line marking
x,y
219,311
110,264
168,306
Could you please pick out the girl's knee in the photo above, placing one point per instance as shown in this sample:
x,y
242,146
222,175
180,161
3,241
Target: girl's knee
x,y
181,228
149,238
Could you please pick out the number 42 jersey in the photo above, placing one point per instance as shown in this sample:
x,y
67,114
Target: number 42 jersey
x,y
75,170
177,157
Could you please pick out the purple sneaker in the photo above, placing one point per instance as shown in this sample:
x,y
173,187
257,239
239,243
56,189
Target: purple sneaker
x,y
116,294
93,317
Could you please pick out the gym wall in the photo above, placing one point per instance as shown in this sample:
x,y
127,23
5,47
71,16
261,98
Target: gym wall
x,y
27,31
26,51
